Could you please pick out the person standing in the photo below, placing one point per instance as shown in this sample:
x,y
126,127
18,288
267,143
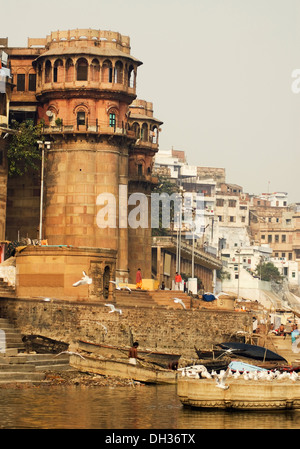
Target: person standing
x,y
138,279
178,280
133,353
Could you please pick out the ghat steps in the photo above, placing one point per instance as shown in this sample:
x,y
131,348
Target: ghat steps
x,y
152,299
18,366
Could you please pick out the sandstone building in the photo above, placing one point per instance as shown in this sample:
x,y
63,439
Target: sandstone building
x,y
81,85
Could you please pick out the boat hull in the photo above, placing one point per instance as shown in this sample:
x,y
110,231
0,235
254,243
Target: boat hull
x,y
123,370
241,394
161,359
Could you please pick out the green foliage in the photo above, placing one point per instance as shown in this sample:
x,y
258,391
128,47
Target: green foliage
x,y
23,153
268,272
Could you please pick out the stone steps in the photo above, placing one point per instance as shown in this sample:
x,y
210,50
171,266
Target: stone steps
x,y
145,298
6,290
17,366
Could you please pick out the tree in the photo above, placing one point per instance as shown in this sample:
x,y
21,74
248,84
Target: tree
x,y
23,152
267,271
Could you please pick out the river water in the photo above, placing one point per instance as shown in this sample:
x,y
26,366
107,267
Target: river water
x,y
139,407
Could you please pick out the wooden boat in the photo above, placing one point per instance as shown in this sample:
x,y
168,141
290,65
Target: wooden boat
x,y
241,394
161,359
125,370
43,345
252,351
210,354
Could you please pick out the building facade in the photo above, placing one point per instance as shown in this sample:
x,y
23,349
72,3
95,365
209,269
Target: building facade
x,y
81,86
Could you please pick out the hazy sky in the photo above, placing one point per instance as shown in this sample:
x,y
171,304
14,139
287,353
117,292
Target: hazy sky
x,y
219,74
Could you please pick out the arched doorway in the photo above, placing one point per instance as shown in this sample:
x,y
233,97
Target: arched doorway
x,y
106,278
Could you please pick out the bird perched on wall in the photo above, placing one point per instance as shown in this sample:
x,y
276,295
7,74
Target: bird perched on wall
x,y
113,309
84,280
118,287
179,301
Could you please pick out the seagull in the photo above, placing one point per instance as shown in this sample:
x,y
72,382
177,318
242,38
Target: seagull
x,y
113,309
84,280
179,301
216,296
71,353
120,288
104,327
221,379
236,375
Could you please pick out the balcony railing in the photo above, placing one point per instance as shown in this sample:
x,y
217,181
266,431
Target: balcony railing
x,y
89,126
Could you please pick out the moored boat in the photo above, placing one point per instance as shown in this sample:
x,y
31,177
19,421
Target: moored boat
x,y
239,394
161,359
252,352
125,370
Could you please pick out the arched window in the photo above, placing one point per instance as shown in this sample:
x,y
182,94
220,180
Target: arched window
x,y
81,118
154,134
112,120
144,133
107,72
106,277
136,129
118,78
58,71
69,70
82,70
48,69
131,77
95,70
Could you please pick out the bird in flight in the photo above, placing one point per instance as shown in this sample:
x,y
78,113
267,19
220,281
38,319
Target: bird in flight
x,y
84,280
113,309
179,301
120,288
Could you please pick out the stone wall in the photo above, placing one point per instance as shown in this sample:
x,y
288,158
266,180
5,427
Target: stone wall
x,y
170,330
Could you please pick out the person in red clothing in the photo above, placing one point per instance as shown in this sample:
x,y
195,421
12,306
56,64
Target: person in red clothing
x,y
178,280
138,279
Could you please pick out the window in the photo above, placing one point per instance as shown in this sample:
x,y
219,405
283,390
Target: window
x,y
80,118
232,219
276,238
82,70
263,237
283,238
269,238
243,219
220,217
32,82
3,104
112,120
290,256
220,202
140,169
21,82
232,203
283,255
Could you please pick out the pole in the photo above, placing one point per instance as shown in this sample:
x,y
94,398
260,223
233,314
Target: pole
x,y
42,192
42,146
193,255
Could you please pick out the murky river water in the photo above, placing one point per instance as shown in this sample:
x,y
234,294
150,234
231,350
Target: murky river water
x,y
142,407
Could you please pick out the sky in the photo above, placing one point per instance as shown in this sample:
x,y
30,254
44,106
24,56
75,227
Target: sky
x,y
218,72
